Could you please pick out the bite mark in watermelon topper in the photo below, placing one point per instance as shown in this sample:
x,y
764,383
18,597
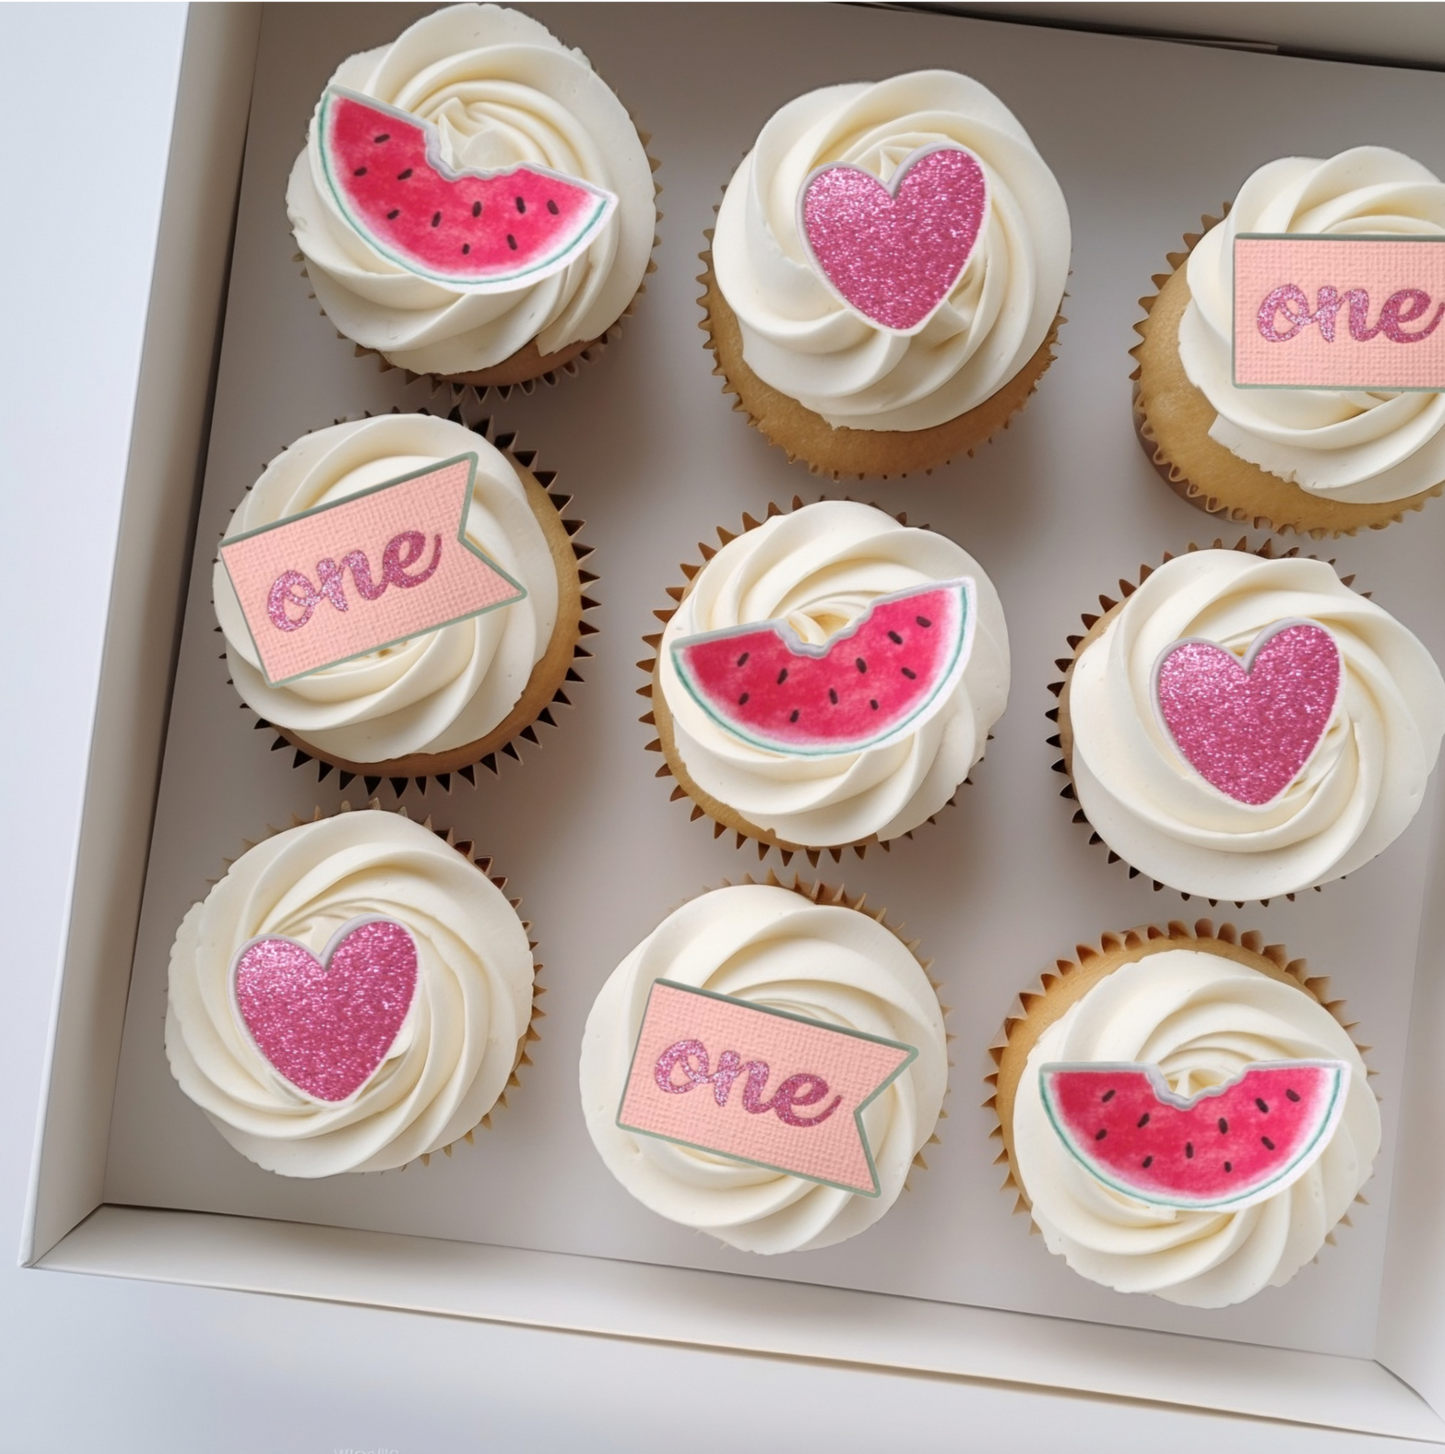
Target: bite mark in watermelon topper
x,y
881,676
1223,1149
475,231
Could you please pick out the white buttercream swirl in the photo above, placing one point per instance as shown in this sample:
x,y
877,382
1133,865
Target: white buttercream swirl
x,y
1357,793
801,339
457,1047
502,90
1201,1018
769,946
445,689
821,568
1352,445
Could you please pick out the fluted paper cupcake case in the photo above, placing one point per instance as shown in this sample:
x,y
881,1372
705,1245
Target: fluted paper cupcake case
x,y
1058,989
659,718
835,450
546,687
1180,448
528,367
465,847
1062,738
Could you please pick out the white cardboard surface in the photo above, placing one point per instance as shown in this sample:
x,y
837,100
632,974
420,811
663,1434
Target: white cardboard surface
x,y
1002,884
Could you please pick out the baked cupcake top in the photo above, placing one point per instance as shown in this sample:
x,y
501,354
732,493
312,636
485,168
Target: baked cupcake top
x,y
500,90
1202,1019
1355,445
771,947
802,338
1290,765
405,1057
820,569
441,690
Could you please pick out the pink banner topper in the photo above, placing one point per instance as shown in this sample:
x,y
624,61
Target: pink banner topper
x,y
1326,312
758,1085
369,571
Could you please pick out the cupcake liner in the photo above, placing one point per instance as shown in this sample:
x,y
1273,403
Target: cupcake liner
x,y
1056,990
659,717
527,367
546,687
465,847
1062,739
1172,419
836,451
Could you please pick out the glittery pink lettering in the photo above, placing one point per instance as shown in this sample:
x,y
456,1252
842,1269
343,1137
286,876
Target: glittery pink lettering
x,y
691,1058
293,589
1285,313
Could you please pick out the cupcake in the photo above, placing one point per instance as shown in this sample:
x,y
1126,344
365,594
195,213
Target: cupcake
x,y
354,993
473,202
884,281
828,678
1241,727
1321,461
801,954
1184,1114
447,699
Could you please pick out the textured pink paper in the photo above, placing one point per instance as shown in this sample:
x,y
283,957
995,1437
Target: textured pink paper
x,y
853,1067
431,505
1365,274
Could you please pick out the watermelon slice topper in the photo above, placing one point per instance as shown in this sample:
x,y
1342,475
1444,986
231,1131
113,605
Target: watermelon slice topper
x,y
1223,1149
883,675
479,232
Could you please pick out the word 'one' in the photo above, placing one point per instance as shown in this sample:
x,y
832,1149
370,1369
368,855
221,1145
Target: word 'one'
x,y
690,1057
1291,304
294,589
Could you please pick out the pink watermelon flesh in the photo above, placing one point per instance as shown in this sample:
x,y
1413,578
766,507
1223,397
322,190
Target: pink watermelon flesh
x,y
474,229
1229,1147
768,687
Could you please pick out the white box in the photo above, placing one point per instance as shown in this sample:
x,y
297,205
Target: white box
x,y
139,1185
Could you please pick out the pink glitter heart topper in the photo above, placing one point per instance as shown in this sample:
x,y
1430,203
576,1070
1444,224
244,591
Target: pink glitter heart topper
x,y
327,1024
894,253
1248,728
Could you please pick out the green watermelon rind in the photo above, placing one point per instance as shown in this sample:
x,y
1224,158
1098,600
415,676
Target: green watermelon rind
x,y
963,648
1261,1191
606,204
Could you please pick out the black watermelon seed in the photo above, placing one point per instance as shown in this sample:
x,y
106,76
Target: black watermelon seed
x,y
1189,1149
552,208
1143,1120
1261,1105
402,176
860,664
794,717
393,214
1292,1095
1223,1126
1107,1096
923,621
743,700
832,696
1147,1162
1229,1166
466,247
1100,1134
911,675
895,638
521,205
511,242
872,704
743,659
359,172
385,136
1268,1144
436,218
476,209
782,676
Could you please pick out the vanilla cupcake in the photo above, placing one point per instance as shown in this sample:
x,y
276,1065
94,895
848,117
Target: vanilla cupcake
x,y
876,664
872,336
473,201
802,953
447,699
1183,1114
353,994
1241,727
1317,461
